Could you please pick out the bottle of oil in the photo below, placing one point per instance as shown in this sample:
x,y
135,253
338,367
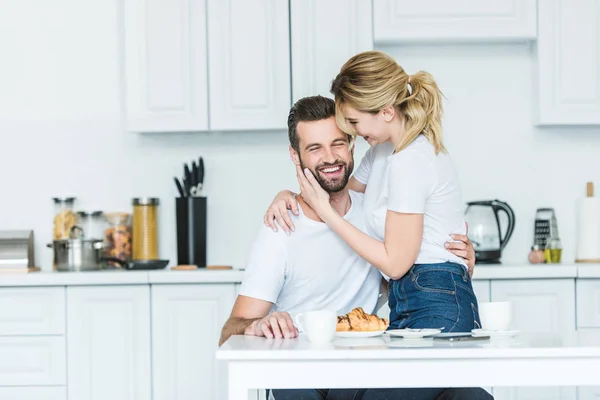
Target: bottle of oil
x,y
553,251
553,248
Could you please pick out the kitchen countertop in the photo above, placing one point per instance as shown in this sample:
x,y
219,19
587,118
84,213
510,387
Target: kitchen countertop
x,y
91,278
525,271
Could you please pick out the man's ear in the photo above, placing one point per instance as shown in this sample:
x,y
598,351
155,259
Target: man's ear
x,y
388,113
294,156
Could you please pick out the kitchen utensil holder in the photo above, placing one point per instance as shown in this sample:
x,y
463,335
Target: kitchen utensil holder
x,y
191,230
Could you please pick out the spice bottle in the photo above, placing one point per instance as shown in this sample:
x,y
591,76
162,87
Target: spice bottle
x,y
145,228
536,255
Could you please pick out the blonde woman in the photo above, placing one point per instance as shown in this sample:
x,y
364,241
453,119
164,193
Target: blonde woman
x,y
412,198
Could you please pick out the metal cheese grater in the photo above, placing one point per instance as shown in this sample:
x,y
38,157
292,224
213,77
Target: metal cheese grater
x,y
545,226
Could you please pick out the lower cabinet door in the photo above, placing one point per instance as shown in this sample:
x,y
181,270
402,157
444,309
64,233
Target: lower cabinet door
x,y
33,393
32,360
108,343
186,326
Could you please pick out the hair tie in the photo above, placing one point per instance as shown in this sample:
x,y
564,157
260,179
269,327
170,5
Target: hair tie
x,y
408,85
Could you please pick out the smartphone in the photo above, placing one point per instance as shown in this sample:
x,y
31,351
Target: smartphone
x,y
459,337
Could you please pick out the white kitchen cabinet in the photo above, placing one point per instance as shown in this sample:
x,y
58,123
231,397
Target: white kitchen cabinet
x,y
32,361
249,64
535,393
568,68
539,305
34,393
482,290
166,65
322,44
108,343
588,393
186,326
407,21
32,311
588,303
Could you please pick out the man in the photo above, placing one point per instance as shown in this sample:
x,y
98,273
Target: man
x,y
313,268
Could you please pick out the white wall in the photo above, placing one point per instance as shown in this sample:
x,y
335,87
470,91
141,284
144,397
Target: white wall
x,y
61,133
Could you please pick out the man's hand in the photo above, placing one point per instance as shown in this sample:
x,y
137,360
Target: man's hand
x,y
278,325
464,249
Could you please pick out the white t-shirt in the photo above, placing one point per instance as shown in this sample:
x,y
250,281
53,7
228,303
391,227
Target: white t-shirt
x,y
417,181
312,268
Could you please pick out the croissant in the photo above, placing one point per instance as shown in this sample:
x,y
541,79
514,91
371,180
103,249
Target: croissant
x,y
359,321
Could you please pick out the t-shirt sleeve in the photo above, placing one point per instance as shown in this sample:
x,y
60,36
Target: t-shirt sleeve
x,y
265,268
411,181
364,168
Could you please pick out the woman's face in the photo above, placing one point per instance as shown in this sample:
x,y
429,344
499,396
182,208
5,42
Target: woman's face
x,y
372,127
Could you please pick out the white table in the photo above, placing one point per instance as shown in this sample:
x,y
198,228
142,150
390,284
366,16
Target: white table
x,y
570,359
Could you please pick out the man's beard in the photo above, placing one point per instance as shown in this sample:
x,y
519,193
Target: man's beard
x,y
336,185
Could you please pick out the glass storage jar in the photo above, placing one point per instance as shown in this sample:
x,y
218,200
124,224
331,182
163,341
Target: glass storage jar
x,y
91,222
64,217
117,236
145,228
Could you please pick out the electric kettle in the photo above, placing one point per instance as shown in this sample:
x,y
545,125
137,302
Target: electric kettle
x,y
485,231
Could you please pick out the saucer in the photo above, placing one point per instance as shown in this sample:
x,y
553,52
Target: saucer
x,y
495,333
413,333
360,334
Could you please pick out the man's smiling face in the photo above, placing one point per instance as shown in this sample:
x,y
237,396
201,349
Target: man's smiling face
x,y
325,151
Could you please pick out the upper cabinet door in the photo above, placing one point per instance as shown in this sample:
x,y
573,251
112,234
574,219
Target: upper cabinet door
x,y
166,66
321,43
249,64
400,21
568,62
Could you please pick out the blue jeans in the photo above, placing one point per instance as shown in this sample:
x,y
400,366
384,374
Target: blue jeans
x,y
434,296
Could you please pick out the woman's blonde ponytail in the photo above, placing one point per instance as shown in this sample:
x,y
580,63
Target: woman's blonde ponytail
x,y
422,111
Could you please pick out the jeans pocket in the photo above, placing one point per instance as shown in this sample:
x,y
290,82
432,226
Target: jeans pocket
x,y
434,282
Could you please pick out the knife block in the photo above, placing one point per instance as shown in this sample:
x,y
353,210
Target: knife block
x,y
191,231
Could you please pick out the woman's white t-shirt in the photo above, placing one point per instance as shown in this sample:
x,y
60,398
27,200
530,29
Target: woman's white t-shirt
x,y
415,181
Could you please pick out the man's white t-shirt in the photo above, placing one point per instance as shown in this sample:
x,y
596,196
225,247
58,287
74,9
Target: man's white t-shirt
x,y
312,269
415,181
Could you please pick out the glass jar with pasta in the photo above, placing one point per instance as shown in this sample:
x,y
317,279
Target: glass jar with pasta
x,y
117,236
64,217
145,228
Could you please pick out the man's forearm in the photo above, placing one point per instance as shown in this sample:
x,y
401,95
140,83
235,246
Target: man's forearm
x,y
235,326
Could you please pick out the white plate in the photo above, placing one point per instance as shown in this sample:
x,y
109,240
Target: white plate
x,y
413,333
484,332
358,334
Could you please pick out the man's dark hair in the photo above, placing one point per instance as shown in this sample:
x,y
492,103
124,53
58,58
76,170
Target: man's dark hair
x,y
306,109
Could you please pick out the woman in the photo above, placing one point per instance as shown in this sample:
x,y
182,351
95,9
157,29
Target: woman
x,y
412,194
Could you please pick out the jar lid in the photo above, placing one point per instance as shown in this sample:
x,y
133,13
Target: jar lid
x,y
66,200
93,214
145,201
536,247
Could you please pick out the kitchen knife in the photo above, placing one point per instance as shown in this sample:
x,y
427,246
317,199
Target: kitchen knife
x,y
200,171
187,174
180,188
194,173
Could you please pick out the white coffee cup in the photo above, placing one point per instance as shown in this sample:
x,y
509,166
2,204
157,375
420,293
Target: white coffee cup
x,y
495,315
320,326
